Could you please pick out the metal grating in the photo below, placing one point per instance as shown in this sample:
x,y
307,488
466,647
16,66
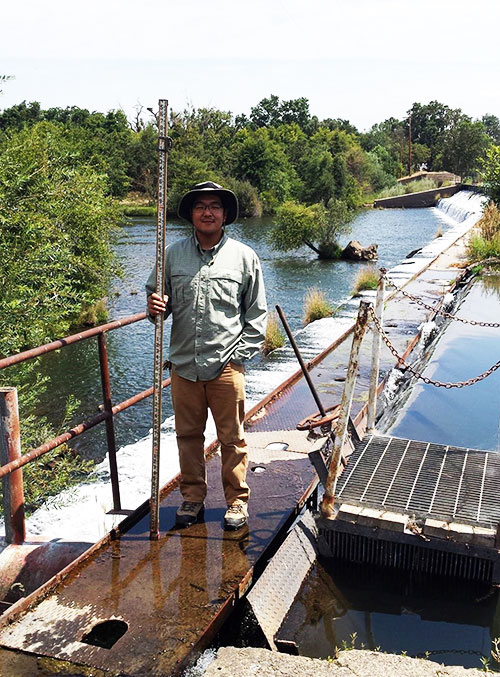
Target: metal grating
x,y
402,555
424,479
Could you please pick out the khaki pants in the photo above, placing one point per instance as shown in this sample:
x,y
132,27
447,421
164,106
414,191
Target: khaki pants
x,y
225,397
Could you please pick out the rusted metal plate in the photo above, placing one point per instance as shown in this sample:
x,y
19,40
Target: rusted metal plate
x,y
275,591
172,593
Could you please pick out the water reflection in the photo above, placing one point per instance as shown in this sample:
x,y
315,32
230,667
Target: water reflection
x,y
343,605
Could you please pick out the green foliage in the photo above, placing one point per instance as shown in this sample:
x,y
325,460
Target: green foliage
x,y
274,336
485,242
316,226
100,140
490,172
409,187
462,145
316,306
55,228
58,469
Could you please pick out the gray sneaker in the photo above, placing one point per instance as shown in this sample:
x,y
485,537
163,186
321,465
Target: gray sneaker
x,y
236,516
189,513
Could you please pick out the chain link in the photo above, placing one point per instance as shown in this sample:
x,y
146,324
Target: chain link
x,y
402,362
416,299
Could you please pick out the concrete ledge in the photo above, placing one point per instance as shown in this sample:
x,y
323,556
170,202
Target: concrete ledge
x,y
231,662
424,198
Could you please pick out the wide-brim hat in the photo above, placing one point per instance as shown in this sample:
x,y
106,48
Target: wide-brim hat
x,y
227,197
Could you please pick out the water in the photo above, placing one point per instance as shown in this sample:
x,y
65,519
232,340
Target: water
x,y
346,605
74,370
287,277
469,416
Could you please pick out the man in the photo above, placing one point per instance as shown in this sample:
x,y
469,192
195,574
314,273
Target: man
x,y
215,292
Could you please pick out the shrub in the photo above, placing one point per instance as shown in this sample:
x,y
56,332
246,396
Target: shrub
x,y
485,243
274,336
316,305
367,278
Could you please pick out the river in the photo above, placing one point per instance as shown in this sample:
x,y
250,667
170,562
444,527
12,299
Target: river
x,y
74,370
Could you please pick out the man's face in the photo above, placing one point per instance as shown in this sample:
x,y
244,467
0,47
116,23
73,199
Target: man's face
x,y
208,215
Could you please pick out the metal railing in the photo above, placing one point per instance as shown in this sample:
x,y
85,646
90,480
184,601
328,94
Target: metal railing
x,y
10,455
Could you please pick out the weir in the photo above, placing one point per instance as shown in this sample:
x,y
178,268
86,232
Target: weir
x,y
131,606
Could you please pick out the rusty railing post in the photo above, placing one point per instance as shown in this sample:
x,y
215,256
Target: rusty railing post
x,y
10,450
110,427
376,344
327,503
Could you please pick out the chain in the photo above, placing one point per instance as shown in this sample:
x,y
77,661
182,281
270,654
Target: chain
x,y
428,381
416,299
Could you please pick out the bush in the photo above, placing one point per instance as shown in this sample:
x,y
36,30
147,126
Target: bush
x,y
316,305
367,278
248,198
411,187
485,243
274,336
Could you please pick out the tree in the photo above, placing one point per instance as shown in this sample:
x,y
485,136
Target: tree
x,y
428,125
462,146
56,224
490,173
492,127
315,226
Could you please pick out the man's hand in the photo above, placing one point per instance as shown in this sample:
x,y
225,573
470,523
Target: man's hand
x,y
156,305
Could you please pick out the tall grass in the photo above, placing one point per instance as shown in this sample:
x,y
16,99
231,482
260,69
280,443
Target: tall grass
x,y
367,278
274,336
316,305
485,242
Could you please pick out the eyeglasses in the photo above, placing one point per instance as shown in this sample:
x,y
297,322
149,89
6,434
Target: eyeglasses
x,y
214,208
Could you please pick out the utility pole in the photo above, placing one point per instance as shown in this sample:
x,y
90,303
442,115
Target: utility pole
x,y
409,145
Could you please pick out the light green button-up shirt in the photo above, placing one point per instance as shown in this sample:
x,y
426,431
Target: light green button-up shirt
x,y
218,305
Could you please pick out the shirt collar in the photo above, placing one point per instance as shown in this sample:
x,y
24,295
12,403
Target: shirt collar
x,y
215,248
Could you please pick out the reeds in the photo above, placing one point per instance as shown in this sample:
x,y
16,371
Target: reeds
x,y
316,305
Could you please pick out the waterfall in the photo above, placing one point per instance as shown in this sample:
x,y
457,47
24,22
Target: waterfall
x,y
462,205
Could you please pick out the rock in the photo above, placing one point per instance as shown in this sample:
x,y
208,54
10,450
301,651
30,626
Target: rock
x,y
355,252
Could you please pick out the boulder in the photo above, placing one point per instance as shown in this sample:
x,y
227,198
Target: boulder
x,y
355,252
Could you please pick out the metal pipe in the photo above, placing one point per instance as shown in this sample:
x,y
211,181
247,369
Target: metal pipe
x,y
327,503
110,428
68,340
74,432
376,344
10,450
301,362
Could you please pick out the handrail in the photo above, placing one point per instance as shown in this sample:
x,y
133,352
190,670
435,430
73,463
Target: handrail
x,y
106,415
68,340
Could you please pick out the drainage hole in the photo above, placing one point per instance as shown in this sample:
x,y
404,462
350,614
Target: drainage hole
x,y
106,633
258,468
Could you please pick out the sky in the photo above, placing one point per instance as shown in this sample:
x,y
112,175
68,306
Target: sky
x,y
360,60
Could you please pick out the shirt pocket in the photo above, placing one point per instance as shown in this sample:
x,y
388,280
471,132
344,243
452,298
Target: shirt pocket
x,y
225,288
182,290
